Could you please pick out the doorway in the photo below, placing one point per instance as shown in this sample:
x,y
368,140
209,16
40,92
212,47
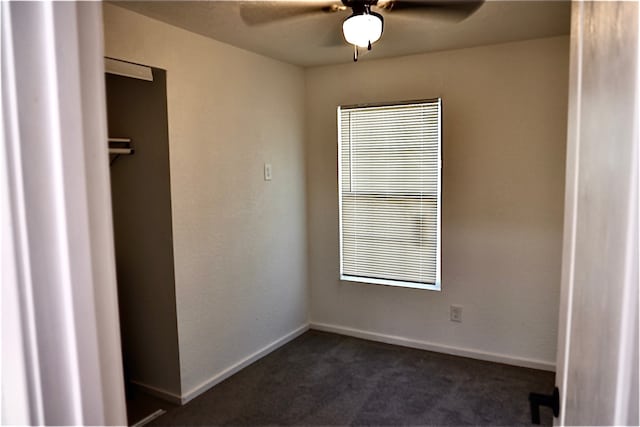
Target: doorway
x,y
141,200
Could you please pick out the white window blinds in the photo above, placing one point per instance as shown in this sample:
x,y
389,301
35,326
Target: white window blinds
x,y
389,186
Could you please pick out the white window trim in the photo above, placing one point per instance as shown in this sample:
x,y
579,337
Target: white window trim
x,y
437,286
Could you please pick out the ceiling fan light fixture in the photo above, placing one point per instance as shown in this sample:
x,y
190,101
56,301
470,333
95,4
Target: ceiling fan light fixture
x,y
362,28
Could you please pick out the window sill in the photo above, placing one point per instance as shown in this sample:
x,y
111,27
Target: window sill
x,y
395,283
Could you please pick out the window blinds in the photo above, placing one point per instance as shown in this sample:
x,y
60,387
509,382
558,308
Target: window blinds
x,y
389,186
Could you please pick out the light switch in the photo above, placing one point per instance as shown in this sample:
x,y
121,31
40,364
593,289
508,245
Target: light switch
x,y
267,171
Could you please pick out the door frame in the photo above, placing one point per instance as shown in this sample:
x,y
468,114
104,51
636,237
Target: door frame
x,y
599,383
59,276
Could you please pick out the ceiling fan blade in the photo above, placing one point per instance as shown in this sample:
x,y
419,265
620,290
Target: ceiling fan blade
x,y
455,10
264,12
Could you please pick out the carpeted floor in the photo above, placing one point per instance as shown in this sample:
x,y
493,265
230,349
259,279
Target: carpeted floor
x,y
327,379
141,405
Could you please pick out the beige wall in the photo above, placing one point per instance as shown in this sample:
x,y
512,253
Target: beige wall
x,y
505,110
239,242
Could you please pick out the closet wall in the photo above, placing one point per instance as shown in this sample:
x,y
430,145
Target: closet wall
x,y
141,197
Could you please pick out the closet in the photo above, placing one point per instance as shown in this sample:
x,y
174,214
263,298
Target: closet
x,y
141,200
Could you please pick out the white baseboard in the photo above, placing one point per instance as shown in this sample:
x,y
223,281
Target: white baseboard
x,y
158,392
440,348
221,376
146,420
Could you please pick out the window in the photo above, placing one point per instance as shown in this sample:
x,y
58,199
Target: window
x,y
389,161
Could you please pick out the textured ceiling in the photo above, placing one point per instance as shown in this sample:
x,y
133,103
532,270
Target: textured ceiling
x,y
315,38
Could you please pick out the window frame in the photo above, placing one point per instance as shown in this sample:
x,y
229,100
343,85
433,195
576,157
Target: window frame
x,y
437,286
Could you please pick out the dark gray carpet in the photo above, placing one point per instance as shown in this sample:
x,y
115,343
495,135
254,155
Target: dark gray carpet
x,y
327,379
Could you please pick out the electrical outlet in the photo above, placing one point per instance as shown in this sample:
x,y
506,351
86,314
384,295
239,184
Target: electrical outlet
x,y
455,312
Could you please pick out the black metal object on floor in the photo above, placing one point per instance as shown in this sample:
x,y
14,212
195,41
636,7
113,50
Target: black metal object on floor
x,y
551,400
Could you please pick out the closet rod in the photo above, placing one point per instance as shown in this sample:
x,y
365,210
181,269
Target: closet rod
x,y
124,149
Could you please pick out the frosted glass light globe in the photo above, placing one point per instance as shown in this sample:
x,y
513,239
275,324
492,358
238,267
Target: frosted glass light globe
x,y
361,30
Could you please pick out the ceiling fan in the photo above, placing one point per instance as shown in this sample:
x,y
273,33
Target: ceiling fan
x,y
364,26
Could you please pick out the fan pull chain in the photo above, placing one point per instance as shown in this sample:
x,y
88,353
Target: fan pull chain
x,y
369,47
355,53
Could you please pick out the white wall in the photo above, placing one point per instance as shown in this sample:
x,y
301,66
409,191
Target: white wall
x,y
239,242
504,112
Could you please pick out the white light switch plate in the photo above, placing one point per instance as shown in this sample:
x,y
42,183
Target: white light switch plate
x,y
267,172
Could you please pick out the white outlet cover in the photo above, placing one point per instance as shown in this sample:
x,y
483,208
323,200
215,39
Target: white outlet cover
x,y
267,172
455,313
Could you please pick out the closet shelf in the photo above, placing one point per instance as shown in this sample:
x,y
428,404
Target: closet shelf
x,y
120,150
